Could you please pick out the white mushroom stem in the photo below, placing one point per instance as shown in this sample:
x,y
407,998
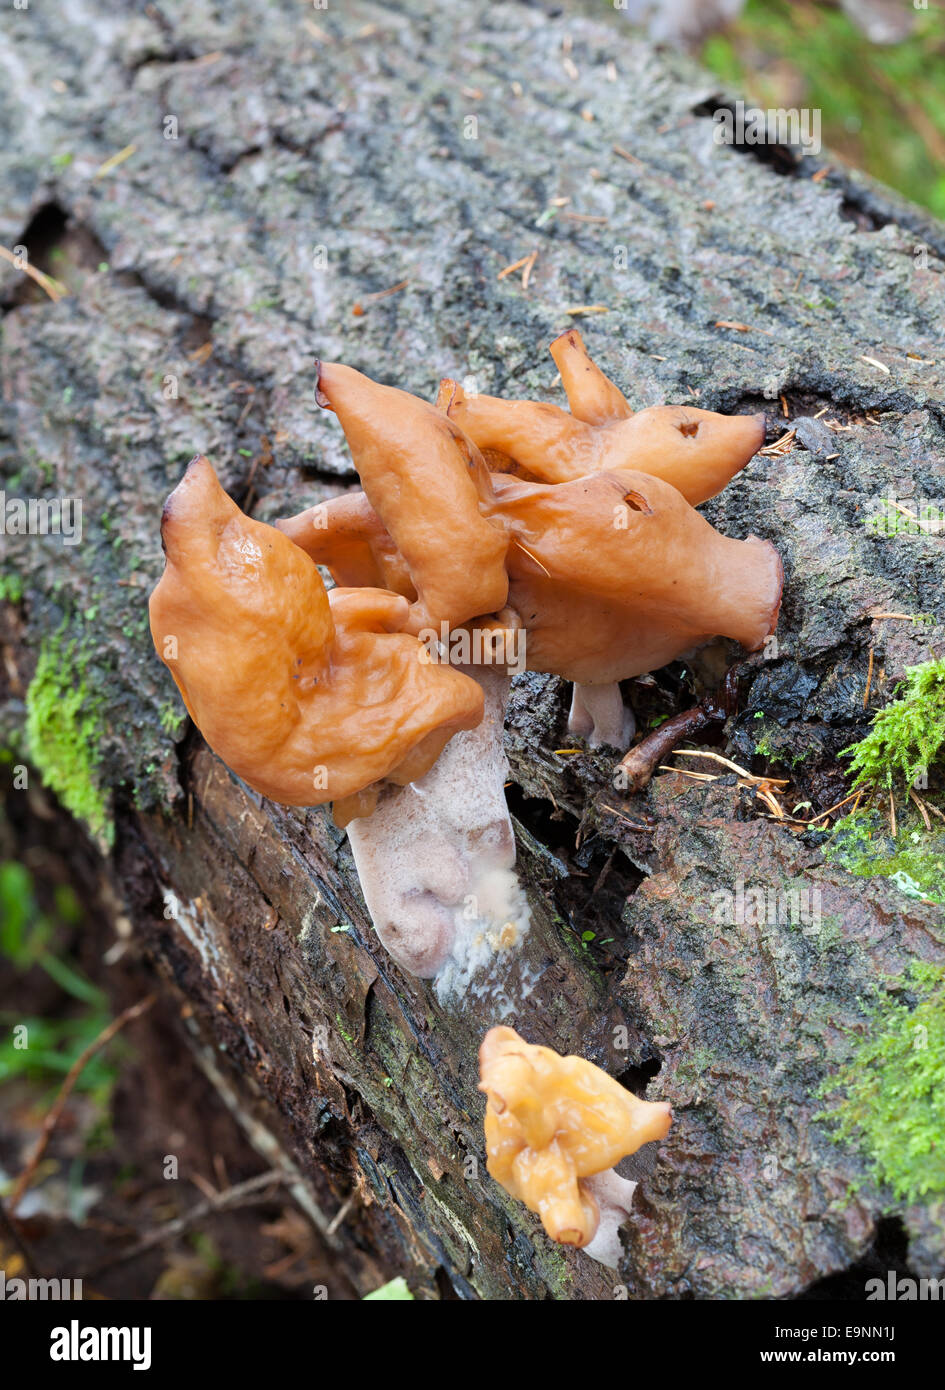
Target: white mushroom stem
x,y
599,715
614,1197
436,858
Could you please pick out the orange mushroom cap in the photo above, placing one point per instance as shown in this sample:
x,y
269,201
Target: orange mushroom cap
x,y
346,535
697,451
592,396
419,473
309,697
552,1121
611,575
615,574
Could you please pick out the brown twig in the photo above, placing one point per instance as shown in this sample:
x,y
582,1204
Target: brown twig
x,y
625,154
517,542
241,1194
869,681
922,811
113,161
54,288
830,810
378,295
516,265
528,268
642,761
55,1111
732,767
635,825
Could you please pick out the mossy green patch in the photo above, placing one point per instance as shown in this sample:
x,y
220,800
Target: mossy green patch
x,y
63,732
11,587
173,717
914,860
557,1275
891,520
907,736
891,1090
777,744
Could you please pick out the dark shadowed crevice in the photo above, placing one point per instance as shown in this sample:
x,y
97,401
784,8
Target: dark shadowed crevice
x,y
44,231
888,1253
783,159
589,880
638,1077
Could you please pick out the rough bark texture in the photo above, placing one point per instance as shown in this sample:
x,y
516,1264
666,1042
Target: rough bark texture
x,y
326,155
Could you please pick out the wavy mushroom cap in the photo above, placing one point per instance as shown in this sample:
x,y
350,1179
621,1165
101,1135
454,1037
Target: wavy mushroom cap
x,y
697,451
308,697
346,535
615,574
610,575
422,476
552,1121
592,396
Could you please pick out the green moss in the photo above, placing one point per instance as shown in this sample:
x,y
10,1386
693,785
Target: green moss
x,y
915,860
891,521
891,1090
173,717
907,736
776,744
555,1271
63,731
11,587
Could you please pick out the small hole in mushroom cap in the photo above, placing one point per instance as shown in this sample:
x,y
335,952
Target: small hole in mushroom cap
x,y
690,428
638,503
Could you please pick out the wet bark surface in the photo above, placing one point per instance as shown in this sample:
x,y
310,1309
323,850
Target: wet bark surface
x,y
288,165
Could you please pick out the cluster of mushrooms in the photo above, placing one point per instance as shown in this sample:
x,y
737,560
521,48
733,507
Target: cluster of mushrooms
x,y
489,536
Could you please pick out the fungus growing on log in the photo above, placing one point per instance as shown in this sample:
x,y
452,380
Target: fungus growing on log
x,y
344,696
615,574
697,451
610,575
418,472
309,697
313,697
555,1126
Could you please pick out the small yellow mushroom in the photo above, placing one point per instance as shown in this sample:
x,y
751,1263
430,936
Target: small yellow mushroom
x,y
554,1122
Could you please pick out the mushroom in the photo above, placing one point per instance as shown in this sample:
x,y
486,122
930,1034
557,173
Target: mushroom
x,y
615,574
611,574
313,697
418,471
346,535
698,451
592,396
309,697
554,1127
